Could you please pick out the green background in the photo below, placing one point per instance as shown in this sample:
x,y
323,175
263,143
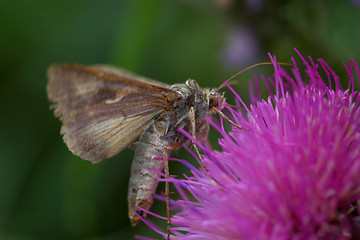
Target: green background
x,y
48,193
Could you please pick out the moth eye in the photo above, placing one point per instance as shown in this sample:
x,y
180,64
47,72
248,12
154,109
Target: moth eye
x,y
141,213
213,101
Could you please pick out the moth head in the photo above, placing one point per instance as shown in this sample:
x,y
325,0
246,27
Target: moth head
x,y
214,99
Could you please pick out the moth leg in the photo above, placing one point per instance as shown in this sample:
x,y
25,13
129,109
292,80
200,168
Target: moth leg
x,y
228,119
167,191
193,133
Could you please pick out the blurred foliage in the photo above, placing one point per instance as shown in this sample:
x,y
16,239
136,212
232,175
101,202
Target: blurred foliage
x,y
45,191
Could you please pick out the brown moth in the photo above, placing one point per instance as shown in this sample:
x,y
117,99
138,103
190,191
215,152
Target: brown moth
x,y
105,109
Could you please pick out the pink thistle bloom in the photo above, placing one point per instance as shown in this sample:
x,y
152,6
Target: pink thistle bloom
x,y
292,172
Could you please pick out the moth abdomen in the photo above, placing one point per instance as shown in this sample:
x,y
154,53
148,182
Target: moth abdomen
x,y
143,181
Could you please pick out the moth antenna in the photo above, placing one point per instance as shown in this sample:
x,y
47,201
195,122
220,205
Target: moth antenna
x,y
167,191
193,133
255,65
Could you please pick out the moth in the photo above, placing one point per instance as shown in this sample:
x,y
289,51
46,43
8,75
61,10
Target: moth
x,y
105,109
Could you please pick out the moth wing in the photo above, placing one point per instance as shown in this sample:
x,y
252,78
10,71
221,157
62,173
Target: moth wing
x,y
124,72
103,112
100,140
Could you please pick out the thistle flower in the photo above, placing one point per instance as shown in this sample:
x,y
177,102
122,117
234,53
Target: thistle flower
x,y
292,172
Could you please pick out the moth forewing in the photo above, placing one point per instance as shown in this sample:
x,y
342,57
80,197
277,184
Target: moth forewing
x,y
126,73
102,112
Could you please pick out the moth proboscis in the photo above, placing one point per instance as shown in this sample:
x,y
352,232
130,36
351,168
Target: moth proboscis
x,y
105,109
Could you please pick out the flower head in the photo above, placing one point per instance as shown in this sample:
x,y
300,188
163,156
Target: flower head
x,y
291,172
